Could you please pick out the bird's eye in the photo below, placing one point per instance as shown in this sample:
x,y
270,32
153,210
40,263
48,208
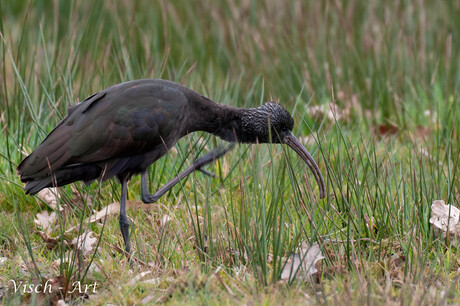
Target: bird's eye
x,y
284,129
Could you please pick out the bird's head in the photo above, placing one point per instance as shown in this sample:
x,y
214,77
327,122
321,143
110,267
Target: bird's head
x,y
267,123
272,123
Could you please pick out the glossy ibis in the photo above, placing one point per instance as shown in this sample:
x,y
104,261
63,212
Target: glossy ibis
x,y
123,129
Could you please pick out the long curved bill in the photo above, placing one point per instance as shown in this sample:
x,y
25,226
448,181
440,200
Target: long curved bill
x,y
295,144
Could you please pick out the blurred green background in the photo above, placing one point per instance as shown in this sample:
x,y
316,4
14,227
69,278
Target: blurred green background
x,y
389,69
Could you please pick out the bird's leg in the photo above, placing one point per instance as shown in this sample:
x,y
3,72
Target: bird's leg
x,y
197,165
122,219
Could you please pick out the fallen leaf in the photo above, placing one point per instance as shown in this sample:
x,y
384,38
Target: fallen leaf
x,y
45,220
340,95
165,219
94,268
50,196
269,258
333,112
152,281
423,132
445,218
112,209
69,260
138,277
58,262
85,242
56,283
148,298
82,200
301,266
387,129
25,265
50,242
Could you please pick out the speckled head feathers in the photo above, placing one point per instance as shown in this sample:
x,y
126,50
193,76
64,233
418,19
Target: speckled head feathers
x,y
255,123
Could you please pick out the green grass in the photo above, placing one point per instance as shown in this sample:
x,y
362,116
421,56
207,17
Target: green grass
x,y
385,65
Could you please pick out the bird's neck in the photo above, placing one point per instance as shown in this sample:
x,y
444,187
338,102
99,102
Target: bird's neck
x,y
225,123
234,124
229,123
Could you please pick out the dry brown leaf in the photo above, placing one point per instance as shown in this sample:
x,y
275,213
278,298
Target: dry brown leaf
x,y
387,129
165,219
25,266
94,268
57,263
113,209
85,242
148,298
82,200
334,112
50,196
50,242
138,277
152,281
45,220
301,266
445,218
423,132
68,260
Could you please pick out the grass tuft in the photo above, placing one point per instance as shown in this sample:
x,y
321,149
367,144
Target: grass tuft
x,y
385,80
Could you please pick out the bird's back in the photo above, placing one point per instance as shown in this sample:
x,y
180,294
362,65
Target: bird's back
x,y
118,131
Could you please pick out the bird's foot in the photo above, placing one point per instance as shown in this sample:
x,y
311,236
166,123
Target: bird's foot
x,y
149,198
124,226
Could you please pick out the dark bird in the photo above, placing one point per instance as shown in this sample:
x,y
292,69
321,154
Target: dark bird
x,y
120,131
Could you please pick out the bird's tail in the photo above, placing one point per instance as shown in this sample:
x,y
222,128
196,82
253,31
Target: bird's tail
x,y
61,177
